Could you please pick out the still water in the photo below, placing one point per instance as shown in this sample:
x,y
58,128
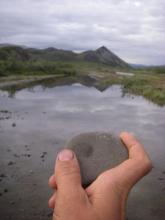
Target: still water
x,y
38,121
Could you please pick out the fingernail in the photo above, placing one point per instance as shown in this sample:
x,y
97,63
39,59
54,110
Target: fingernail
x,y
65,155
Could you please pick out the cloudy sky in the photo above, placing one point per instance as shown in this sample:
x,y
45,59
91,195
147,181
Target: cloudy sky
x,y
133,29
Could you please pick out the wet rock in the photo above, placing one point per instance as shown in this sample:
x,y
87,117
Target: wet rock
x,y
27,148
1,194
11,163
14,125
97,152
6,190
5,114
2,175
43,155
12,202
16,155
26,155
4,111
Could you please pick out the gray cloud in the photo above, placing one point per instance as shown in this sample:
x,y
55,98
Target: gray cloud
x,y
133,29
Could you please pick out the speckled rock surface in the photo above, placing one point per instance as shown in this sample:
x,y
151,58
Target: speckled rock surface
x,y
97,152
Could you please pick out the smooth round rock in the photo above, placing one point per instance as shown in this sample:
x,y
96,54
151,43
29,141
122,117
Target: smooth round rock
x,y
97,152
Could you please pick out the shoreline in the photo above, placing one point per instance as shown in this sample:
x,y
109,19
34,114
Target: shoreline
x,y
151,87
16,82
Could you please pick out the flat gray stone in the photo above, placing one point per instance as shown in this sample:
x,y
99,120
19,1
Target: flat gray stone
x,y
97,152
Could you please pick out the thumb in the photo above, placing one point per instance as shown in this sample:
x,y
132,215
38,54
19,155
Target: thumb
x,y
67,172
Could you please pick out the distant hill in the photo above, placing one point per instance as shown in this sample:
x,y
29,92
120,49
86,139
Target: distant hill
x,y
11,45
102,55
147,67
138,65
14,53
51,54
7,45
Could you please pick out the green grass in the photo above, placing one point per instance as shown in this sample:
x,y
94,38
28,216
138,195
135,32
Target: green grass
x,y
151,86
9,68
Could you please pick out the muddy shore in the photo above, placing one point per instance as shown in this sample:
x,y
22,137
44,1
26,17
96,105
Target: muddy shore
x,y
27,161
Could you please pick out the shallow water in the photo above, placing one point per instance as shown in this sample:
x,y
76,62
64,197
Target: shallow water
x,y
39,122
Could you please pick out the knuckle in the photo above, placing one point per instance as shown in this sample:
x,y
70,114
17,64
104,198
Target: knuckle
x,y
146,164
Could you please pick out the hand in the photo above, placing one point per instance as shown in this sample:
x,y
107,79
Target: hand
x,y
105,198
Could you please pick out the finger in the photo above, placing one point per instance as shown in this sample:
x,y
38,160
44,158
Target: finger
x,y
135,149
67,173
52,182
138,164
51,202
131,171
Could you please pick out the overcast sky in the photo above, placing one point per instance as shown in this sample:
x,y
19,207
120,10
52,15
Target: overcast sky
x,y
133,29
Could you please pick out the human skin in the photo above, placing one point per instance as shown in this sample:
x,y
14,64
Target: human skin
x,y
105,198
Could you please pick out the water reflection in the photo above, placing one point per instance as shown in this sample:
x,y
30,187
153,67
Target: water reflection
x,y
46,117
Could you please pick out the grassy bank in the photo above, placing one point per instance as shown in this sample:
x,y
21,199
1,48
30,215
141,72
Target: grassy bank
x,y
33,68
151,86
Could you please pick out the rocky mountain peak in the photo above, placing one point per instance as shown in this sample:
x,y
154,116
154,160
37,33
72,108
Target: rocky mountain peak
x,y
102,49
